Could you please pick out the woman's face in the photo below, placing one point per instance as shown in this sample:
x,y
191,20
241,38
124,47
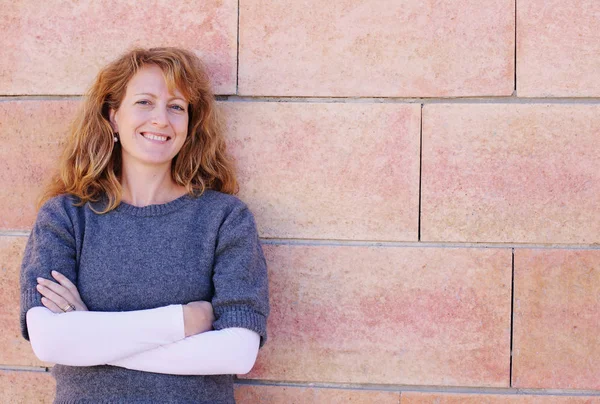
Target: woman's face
x,y
151,121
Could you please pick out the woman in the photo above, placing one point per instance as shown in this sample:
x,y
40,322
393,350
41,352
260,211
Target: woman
x,y
139,251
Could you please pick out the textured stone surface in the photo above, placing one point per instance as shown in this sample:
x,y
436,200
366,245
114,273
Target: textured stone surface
x,y
328,170
388,315
31,133
440,398
511,173
15,349
58,47
558,48
307,170
246,394
556,319
19,387
368,48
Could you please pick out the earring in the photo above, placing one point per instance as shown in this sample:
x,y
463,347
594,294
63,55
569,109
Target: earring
x,y
116,137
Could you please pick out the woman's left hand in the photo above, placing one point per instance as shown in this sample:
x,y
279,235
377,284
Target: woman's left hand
x,y
60,297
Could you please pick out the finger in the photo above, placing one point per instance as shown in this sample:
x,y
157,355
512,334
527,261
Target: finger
x,y
64,281
51,305
50,295
75,298
56,288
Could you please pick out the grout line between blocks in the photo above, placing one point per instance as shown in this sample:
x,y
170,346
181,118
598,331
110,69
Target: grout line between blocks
x,y
237,66
17,368
420,388
421,244
420,173
408,100
40,97
14,233
512,312
376,387
515,52
350,100
387,243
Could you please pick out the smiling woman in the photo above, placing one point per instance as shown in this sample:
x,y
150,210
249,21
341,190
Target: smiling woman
x,y
143,278
152,122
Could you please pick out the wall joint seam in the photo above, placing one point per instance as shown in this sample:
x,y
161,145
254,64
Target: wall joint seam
x,y
506,391
237,60
515,53
512,311
462,100
420,173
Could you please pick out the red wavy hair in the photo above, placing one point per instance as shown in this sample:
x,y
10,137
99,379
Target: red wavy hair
x,y
91,162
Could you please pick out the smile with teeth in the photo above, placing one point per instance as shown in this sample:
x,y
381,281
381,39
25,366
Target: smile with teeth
x,y
155,137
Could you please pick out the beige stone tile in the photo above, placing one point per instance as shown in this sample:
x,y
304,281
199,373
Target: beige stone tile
x,y
511,173
328,170
15,349
247,394
58,47
441,398
556,319
32,134
307,170
20,387
558,48
409,48
388,315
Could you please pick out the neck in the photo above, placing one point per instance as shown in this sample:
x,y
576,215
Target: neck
x,y
147,185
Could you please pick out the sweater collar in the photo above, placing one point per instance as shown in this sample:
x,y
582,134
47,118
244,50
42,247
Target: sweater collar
x,y
154,210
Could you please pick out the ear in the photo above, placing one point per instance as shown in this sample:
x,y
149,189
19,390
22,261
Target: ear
x,y
113,122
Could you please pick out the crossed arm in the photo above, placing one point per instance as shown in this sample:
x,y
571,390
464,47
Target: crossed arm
x,y
147,340
157,340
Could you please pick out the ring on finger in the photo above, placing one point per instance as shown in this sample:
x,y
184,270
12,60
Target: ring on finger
x,y
68,307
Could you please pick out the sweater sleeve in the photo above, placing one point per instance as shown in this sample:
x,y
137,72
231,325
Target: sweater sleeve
x,y
91,338
227,351
51,246
241,297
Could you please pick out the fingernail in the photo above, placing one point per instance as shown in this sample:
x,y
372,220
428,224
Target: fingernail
x,y
40,279
39,286
54,272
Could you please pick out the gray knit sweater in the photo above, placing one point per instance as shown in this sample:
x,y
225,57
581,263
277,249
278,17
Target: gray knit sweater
x,y
132,258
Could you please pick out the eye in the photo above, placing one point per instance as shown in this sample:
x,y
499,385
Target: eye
x,y
143,102
178,107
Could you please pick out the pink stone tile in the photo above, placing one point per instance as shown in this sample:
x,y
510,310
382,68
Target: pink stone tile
x,y
441,398
556,319
349,171
371,48
246,394
32,134
21,387
15,349
511,173
328,170
58,47
558,48
387,315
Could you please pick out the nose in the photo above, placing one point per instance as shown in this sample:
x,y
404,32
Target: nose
x,y
160,117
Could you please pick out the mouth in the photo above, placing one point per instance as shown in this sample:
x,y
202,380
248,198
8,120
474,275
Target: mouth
x,y
155,137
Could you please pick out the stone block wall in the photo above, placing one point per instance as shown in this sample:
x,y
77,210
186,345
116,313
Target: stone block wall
x,y
425,175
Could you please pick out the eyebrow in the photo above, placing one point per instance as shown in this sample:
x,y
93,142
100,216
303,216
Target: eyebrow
x,y
154,96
